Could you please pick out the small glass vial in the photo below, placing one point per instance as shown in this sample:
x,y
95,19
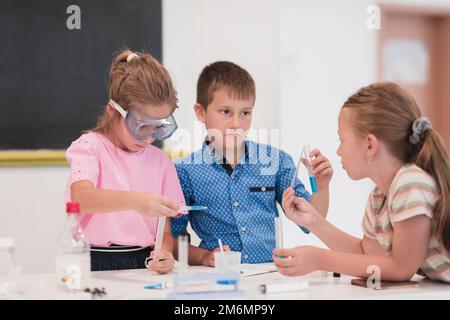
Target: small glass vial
x,y
73,261
183,251
9,267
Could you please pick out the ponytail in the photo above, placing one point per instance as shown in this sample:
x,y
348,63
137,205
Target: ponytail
x,y
433,158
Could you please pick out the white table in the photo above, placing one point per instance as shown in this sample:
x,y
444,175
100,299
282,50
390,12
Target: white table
x,y
129,284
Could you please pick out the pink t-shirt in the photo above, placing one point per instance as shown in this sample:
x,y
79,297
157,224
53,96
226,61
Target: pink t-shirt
x,y
93,157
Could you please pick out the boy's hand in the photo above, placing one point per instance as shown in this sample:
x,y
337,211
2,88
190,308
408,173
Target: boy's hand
x,y
162,262
300,210
321,168
298,261
154,205
208,259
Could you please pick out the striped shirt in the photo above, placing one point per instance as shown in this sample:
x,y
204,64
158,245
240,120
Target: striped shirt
x,y
412,192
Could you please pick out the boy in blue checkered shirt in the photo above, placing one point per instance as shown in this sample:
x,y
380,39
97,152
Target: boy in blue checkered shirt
x,y
238,180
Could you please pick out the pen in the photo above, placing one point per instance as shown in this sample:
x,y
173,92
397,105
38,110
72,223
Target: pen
x,y
283,287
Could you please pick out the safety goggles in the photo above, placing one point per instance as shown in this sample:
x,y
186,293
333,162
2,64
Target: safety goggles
x,y
142,127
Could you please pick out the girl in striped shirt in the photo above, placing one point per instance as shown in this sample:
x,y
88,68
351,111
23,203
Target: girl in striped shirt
x,y
406,225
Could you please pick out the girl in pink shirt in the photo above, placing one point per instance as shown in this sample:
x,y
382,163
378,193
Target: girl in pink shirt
x,y
121,181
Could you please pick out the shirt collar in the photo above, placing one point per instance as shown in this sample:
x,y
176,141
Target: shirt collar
x,y
210,157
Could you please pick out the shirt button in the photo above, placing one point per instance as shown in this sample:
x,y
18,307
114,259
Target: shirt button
x,y
245,256
236,204
243,229
263,189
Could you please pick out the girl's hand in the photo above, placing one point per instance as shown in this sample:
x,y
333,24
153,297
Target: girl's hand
x,y
300,210
154,205
162,262
208,259
321,168
296,261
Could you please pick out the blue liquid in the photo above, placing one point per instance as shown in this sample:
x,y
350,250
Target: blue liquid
x,y
304,230
313,183
226,282
193,208
185,209
156,286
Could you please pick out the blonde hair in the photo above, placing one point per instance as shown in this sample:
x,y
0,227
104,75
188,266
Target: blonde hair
x,y
136,78
388,111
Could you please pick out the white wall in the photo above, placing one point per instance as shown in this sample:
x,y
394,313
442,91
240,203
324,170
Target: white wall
x,y
426,3
32,211
327,54
199,32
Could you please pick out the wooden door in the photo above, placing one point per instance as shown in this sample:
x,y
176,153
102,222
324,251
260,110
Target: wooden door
x,y
415,43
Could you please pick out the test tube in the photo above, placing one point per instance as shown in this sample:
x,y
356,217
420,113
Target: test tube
x,y
278,233
183,247
293,186
312,178
159,234
159,238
